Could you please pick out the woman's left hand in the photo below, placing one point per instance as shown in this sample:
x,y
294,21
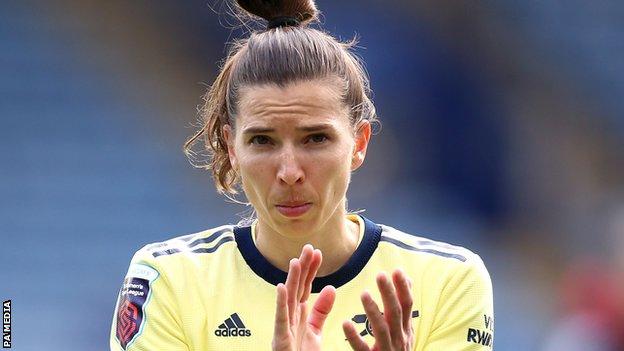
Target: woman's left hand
x,y
392,329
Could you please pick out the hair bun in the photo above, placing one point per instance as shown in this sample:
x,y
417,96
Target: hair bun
x,y
303,11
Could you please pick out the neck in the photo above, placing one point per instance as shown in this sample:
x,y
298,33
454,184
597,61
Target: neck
x,y
337,239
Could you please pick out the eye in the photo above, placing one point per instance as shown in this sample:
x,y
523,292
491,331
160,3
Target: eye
x,y
260,140
318,138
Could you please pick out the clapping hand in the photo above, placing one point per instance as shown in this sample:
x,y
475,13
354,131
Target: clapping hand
x,y
296,328
392,329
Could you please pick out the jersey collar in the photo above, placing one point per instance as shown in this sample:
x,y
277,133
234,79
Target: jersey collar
x,y
263,268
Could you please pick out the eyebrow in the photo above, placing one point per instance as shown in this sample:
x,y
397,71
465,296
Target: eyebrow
x,y
310,128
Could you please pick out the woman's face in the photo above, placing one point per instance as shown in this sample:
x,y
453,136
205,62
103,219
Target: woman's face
x,y
294,149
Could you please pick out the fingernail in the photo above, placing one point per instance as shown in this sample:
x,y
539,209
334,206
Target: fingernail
x,y
382,277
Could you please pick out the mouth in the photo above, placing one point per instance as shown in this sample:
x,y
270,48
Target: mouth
x,y
293,209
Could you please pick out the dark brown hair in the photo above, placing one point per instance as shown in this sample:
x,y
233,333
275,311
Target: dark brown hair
x,y
278,56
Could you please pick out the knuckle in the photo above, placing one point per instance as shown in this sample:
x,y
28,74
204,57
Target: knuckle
x,y
399,339
382,329
408,303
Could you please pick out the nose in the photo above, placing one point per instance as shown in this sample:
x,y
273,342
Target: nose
x,y
289,171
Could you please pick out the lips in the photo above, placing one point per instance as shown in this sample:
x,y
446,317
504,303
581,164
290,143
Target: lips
x,y
293,209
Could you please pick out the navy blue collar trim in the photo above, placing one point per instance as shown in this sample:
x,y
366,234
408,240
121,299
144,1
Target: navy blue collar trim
x,y
273,275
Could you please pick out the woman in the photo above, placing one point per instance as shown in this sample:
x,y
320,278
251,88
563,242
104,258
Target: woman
x,y
287,120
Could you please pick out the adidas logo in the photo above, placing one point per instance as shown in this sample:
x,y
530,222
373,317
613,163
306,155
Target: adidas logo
x,y
233,326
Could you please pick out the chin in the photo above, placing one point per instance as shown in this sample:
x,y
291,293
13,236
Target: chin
x,y
295,227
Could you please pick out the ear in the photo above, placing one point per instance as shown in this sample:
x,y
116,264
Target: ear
x,y
228,135
362,137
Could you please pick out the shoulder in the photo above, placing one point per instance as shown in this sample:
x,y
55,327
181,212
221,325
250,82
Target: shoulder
x,y
453,272
185,246
452,288
441,260
426,247
456,268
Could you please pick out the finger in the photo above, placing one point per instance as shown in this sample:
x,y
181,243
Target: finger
x,y
321,309
377,321
292,285
303,322
392,309
317,259
304,259
355,340
404,293
281,314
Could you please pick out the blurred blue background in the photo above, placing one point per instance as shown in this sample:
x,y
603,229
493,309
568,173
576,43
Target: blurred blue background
x,y
502,132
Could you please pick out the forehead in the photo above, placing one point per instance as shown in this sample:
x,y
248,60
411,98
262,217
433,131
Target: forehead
x,y
299,103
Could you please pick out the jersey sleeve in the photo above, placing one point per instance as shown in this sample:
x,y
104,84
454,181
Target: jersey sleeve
x,y
146,315
465,316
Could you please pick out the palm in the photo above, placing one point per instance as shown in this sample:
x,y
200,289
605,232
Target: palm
x,y
296,328
393,328
302,336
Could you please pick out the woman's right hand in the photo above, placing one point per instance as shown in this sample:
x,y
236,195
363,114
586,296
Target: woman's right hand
x,y
296,328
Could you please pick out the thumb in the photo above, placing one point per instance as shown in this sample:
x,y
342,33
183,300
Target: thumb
x,y
321,309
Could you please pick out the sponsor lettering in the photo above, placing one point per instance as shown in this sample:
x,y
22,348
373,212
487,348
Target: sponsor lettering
x,y
482,337
489,322
479,337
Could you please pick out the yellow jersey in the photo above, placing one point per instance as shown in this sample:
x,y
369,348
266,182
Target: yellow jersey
x,y
213,290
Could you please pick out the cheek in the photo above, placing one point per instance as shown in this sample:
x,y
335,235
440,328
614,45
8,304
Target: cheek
x,y
255,175
334,172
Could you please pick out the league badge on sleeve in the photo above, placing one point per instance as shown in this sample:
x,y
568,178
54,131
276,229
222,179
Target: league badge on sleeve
x,y
133,297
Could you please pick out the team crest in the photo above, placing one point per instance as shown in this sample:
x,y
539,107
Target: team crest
x,y
133,298
368,329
